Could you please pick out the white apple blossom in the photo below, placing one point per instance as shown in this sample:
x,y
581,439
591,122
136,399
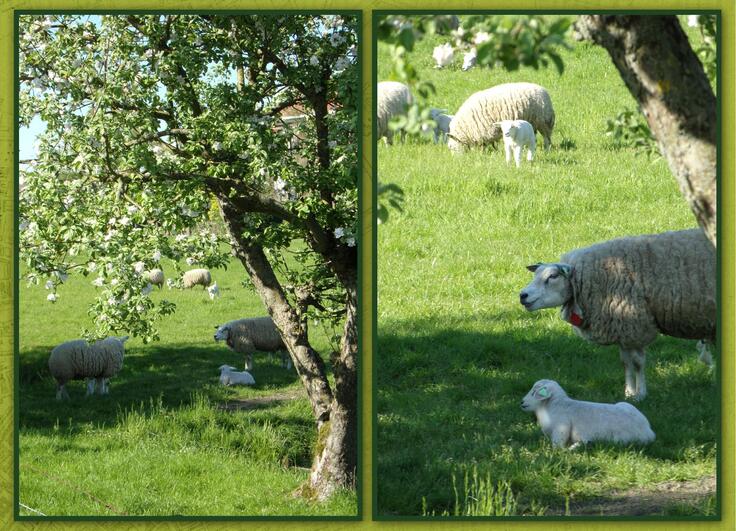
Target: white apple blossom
x,y
92,266
350,242
98,282
51,297
481,37
190,260
139,267
339,232
692,21
49,284
156,256
314,60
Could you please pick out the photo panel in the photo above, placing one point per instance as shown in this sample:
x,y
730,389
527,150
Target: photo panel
x,y
187,231
547,339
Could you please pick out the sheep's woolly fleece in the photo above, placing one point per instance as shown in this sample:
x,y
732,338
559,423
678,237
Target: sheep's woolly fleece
x,y
196,277
391,100
631,289
77,359
474,124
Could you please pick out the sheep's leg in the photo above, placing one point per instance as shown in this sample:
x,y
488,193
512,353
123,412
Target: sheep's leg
x,y
249,362
705,355
630,389
517,155
90,386
547,141
507,149
531,149
560,436
286,360
640,359
61,392
105,386
100,382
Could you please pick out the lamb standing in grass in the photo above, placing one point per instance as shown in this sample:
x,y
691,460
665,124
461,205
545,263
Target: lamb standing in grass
x,y
443,124
392,100
230,376
196,277
628,290
518,134
475,122
249,335
156,277
96,362
569,422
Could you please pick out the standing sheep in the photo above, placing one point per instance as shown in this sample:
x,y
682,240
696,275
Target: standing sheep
x,y
518,134
196,277
392,100
77,359
574,422
249,335
475,123
443,124
628,290
156,277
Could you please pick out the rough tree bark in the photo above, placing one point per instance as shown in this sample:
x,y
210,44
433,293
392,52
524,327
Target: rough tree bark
x,y
658,65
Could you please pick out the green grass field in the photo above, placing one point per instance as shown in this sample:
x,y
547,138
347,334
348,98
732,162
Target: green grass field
x,y
456,351
161,443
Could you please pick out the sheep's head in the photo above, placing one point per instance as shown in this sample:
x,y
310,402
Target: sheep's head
x,y
222,333
550,287
228,368
541,392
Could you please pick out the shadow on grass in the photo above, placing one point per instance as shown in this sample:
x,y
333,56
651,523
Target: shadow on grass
x,y
170,375
448,399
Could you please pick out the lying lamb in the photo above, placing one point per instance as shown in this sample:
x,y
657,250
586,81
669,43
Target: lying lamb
x,y
628,290
518,134
571,422
229,376
96,362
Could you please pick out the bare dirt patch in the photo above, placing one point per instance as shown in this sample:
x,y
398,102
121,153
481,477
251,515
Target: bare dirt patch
x,y
260,401
641,502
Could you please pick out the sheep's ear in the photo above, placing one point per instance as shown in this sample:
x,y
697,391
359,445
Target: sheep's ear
x,y
534,267
217,326
565,270
124,339
543,392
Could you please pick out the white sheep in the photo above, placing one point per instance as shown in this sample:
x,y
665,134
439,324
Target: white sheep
x,y
470,59
230,376
392,99
156,277
443,55
518,134
96,362
443,124
628,290
213,291
475,123
249,335
569,422
196,277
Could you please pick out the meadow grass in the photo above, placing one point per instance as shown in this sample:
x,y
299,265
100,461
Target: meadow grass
x,y
161,443
456,351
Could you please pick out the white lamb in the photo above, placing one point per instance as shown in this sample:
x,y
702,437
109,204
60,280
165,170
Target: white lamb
x,y
213,291
230,376
196,277
569,422
443,124
518,134
96,362
470,59
249,335
475,122
392,99
627,291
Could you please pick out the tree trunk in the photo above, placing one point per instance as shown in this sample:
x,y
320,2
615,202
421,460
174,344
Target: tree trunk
x,y
309,365
336,462
655,60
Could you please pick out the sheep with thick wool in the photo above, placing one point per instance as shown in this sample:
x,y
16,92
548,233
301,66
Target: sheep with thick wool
x,y
476,122
392,99
246,336
628,290
570,423
196,277
96,362
156,277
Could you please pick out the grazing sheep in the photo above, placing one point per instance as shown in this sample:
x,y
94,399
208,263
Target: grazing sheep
x,y
475,123
518,134
96,362
249,335
443,55
213,291
196,277
156,277
392,100
575,422
628,290
229,376
443,124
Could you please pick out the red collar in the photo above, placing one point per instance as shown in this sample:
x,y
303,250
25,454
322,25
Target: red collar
x,y
575,319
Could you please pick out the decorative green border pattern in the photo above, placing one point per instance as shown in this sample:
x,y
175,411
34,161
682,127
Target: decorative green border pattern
x,y
727,196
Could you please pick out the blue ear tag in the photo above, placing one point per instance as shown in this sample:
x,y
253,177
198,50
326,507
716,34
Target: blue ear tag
x,y
543,392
